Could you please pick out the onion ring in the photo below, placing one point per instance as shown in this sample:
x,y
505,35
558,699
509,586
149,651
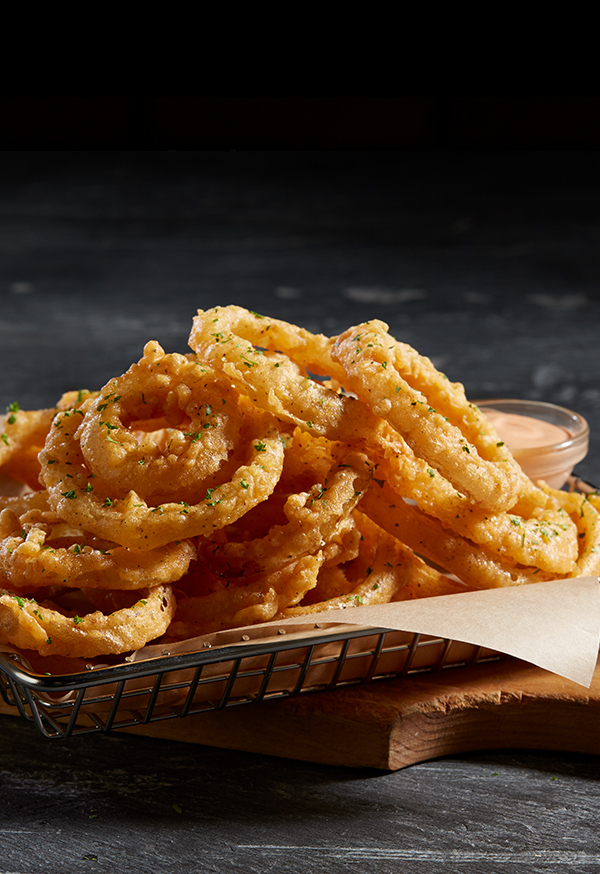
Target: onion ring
x,y
80,497
20,504
306,349
584,510
387,571
473,564
183,472
432,414
42,626
223,337
22,435
537,517
171,392
38,546
257,600
312,516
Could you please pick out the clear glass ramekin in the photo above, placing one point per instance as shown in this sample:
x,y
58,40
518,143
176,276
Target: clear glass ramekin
x,y
552,457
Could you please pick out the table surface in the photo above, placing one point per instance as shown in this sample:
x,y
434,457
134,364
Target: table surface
x,y
486,262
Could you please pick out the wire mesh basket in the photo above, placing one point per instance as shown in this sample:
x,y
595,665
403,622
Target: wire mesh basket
x,y
289,662
226,669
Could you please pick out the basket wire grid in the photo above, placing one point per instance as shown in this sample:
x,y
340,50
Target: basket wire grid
x,y
179,685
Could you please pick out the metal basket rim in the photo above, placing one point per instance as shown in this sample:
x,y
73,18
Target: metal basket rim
x,y
20,674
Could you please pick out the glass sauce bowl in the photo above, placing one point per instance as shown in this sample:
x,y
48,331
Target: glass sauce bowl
x,y
546,440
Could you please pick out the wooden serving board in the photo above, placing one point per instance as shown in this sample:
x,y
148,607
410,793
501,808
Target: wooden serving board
x,y
393,723
390,724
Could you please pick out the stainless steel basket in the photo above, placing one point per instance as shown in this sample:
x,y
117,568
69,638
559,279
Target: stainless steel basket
x,y
227,669
291,662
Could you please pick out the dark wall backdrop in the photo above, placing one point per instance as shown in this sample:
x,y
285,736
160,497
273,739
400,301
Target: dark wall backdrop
x,y
299,122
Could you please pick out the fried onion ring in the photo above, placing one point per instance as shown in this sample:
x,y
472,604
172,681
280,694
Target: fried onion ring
x,y
584,510
39,547
273,473
43,626
536,518
80,496
198,410
474,564
432,414
386,570
313,516
22,435
224,337
256,600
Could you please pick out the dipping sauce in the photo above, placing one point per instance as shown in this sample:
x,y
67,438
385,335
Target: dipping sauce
x,y
525,432
547,440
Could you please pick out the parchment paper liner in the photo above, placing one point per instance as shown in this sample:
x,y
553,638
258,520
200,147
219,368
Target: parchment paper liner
x,y
554,625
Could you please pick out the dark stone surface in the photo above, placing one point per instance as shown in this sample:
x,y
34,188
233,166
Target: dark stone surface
x,y
111,803
488,263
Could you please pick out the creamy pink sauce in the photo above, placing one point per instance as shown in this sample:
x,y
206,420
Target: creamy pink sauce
x,y
525,432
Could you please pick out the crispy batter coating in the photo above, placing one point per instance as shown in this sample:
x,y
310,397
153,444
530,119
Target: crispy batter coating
x,y
43,626
37,547
78,493
312,516
431,413
272,473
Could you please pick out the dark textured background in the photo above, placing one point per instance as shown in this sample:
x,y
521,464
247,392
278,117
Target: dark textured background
x,y
488,262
